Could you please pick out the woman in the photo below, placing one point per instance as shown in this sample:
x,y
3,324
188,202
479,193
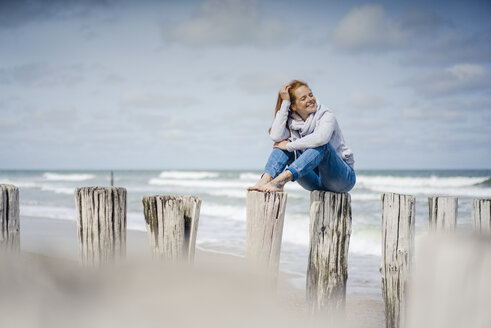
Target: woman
x,y
308,140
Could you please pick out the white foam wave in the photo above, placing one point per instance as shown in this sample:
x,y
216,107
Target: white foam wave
x,y
242,193
199,183
136,221
42,186
20,184
365,242
363,196
432,181
296,230
229,212
250,176
194,175
50,212
232,193
67,177
58,190
438,191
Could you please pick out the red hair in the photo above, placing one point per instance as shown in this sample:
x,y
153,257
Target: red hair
x,y
294,85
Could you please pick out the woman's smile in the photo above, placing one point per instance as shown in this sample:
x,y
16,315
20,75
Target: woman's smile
x,y
304,103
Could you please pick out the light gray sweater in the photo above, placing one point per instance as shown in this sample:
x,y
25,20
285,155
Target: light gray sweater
x,y
320,128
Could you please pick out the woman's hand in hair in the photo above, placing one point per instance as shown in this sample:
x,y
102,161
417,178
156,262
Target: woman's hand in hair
x,y
281,144
284,92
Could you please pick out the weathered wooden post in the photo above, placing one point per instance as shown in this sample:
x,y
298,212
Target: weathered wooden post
x,y
481,215
101,224
9,218
172,226
265,216
327,272
442,213
397,255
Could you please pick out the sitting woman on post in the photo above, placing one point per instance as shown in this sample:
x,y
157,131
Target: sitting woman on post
x,y
308,143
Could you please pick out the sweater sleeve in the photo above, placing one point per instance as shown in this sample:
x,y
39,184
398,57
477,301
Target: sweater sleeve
x,y
321,135
279,131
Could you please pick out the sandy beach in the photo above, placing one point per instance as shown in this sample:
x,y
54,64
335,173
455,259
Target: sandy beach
x,y
48,273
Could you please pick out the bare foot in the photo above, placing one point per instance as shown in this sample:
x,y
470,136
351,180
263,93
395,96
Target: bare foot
x,y
277,184
265,179
271,187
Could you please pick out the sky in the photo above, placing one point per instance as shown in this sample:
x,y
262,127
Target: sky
x,y
193,84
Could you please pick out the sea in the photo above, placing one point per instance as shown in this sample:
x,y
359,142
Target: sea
x,y
222,223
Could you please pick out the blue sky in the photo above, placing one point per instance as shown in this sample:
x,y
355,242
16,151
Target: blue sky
x,y
193,84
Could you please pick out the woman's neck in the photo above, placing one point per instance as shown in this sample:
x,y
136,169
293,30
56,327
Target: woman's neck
x,y
306,116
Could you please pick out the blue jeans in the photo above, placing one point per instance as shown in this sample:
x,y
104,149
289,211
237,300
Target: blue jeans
x,y
319,168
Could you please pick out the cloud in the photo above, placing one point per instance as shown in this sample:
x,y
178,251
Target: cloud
x,y
368,29
363,101
456,79
42,74
155,101
452,110
228,22
424,114
19,12
263,83
452,47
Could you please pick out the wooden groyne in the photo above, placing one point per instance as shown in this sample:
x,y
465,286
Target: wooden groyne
x,y
9,218
327,271
397,254
265,218
481,215
172,226
101,224
442,213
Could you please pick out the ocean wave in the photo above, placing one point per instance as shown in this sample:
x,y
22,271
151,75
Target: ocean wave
x,y
432,181
229,212
20,184
194,175
437,191
486,183
135,221
249,176
67,177
42,186
57,189
364,196
231,193
199,183
50,212
365,242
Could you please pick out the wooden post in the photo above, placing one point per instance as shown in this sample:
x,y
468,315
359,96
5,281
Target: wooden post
x,y
172,225
9,218
265,217
101,224
327,272
397,255
192,207
481,215
442,213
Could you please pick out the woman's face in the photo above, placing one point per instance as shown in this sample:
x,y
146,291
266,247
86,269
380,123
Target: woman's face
x,y
305,102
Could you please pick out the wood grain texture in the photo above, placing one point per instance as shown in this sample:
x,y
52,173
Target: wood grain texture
x,y
330,231
442,213
265,218
9,218
481,215
397,255
172,226
101,224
